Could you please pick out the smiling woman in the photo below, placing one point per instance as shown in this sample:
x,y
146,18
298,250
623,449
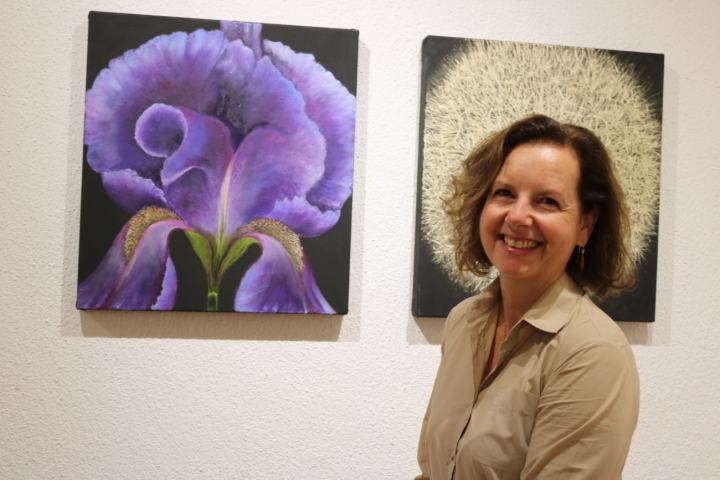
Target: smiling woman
x,y
535,381
533,150
533,218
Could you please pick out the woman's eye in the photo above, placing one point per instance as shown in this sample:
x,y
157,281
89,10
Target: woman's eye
x,y
502,192
549,201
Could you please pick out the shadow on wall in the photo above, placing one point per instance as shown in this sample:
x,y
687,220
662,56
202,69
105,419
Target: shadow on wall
x,y
425,330
211,326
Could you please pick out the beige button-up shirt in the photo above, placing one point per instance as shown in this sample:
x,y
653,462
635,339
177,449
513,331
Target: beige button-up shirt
x,y
562,402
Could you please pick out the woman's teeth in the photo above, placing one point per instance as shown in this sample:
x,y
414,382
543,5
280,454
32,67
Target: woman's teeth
x,y
521,244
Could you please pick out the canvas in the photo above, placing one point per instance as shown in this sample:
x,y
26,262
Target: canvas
x,y
471,88
218,166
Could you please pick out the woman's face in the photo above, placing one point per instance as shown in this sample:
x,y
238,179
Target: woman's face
x,y
532,219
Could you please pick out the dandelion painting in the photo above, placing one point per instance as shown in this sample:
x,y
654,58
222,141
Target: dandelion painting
x,y
218,166
471,88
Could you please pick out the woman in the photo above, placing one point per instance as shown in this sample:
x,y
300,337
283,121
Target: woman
x,y
535,380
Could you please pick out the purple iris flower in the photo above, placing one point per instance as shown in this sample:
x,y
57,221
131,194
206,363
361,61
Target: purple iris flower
x,y
234,140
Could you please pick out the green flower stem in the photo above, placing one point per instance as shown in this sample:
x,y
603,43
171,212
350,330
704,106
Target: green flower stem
x,y
217,255
212,298
215,275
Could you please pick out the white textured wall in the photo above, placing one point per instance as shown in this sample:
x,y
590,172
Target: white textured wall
x,y
167,396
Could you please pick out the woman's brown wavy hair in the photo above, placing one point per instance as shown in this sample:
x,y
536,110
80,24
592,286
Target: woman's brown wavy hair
x,y
608,265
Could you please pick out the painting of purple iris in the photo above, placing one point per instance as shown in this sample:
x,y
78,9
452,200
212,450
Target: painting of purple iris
x,y
218,166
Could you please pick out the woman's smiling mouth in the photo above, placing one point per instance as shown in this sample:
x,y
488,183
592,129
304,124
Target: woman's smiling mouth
x,y
520,244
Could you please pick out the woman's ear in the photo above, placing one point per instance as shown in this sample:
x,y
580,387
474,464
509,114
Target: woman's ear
x,y
588,223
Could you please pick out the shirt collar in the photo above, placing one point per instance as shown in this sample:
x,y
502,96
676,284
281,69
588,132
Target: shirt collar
x,y
483,305
549,314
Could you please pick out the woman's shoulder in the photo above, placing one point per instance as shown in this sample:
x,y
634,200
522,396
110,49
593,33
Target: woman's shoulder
x,y
591,321
457,320
476,307
463,308
570,312
591,330
470,314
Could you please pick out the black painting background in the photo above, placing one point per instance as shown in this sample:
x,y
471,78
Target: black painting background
x,y
112,34
435,293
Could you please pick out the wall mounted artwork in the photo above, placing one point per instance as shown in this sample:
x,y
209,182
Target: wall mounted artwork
x,y
471,88
218,166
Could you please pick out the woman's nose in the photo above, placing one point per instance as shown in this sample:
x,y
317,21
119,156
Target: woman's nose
x,y
519,215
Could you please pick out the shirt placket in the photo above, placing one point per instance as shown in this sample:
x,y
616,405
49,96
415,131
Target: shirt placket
x,y
518,334
485,338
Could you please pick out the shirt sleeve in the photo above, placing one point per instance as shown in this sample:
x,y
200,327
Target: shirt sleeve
x,y
422,455
586,415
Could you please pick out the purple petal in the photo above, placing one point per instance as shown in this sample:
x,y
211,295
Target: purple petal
x,y
160,130
144,280
199,152
175,69
272,284
247,33
282,153
304,219
147,281
95,289
314,300
166,300
131,191
332,107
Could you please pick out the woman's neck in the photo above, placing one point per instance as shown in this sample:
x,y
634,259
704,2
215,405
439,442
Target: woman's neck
x,y
519,296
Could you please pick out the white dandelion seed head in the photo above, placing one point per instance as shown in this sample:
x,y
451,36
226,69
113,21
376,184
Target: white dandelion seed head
x,y
486,85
